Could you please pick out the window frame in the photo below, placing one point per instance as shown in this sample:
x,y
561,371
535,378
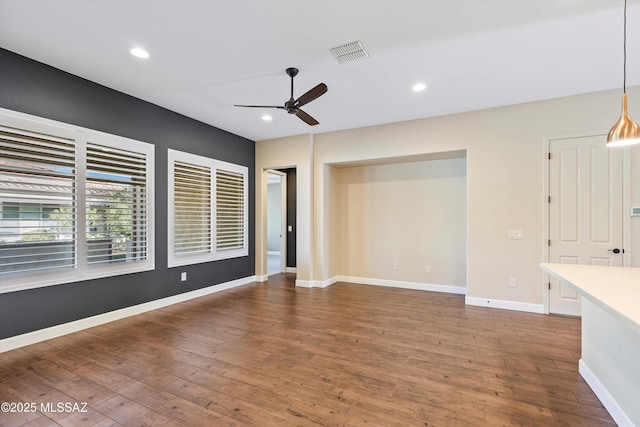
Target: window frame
x,y
176,260
82,136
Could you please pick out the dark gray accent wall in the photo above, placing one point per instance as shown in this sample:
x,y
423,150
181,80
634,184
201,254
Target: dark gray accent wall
x,y
34,88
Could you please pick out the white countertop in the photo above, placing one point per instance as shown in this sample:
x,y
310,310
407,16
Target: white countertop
x,y
615,289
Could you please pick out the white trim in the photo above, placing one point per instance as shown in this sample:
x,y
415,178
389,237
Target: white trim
x,y
303,283
29,338
324,283
261,220
505,305
262,278
18,120
546,208
606,399
627,197
283,217
315,283
177,260
382,282
311,214
82,136
398,284
291,270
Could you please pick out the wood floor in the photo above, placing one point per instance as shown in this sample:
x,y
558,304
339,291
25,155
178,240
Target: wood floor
x,y
270,354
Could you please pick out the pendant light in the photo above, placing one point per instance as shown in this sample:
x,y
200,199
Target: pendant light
x,y
625,131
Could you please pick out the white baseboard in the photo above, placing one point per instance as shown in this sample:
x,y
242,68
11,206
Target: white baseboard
x,y
265,277
89,322
314,283
399,284
303,283
325,283
505,305
602,393
381,282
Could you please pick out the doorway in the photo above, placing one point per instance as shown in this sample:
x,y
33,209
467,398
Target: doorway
x,y
585,211
276,222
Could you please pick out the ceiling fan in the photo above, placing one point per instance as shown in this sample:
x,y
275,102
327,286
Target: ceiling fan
x,y
292,106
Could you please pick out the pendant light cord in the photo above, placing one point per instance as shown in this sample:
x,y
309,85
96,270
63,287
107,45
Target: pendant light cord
x,y
624,72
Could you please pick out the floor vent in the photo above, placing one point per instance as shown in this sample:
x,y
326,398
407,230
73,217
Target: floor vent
x,y
350,52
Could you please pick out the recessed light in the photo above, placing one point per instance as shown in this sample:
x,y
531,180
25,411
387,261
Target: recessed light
x,y
139,52
267,118
419,87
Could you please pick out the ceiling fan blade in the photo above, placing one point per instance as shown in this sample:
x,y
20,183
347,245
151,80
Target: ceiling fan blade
x,y
307,118
310,95
260,106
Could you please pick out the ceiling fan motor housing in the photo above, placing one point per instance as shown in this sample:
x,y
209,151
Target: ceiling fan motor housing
x,y
290,107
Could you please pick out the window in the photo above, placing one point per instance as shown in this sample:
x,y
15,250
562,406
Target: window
x,y
207,209
75,204
31,221
230,206
191,209
116,205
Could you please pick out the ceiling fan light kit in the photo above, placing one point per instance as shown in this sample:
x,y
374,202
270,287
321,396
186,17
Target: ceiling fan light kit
x,y
625,131
292,106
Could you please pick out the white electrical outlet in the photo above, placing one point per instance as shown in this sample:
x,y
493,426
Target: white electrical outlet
x,y
427,269
183,276
395,266
513,282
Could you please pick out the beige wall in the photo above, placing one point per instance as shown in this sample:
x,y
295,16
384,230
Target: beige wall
x,y
285,153
413,214
505,159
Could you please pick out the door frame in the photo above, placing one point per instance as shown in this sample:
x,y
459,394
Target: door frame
x,y
546,210
283,217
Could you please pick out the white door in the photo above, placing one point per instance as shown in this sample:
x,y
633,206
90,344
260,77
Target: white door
x,y
585,210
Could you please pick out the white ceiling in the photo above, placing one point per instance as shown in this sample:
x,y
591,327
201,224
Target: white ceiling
x,y
208,55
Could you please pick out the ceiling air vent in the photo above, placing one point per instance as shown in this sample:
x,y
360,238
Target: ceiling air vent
x,y
350,52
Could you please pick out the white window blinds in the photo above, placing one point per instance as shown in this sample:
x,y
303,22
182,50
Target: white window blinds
x,y
75,204
37,219
116,205
207,209
229,210
192,208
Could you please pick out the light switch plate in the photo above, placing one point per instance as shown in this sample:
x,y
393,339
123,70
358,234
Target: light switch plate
x,y
516,234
